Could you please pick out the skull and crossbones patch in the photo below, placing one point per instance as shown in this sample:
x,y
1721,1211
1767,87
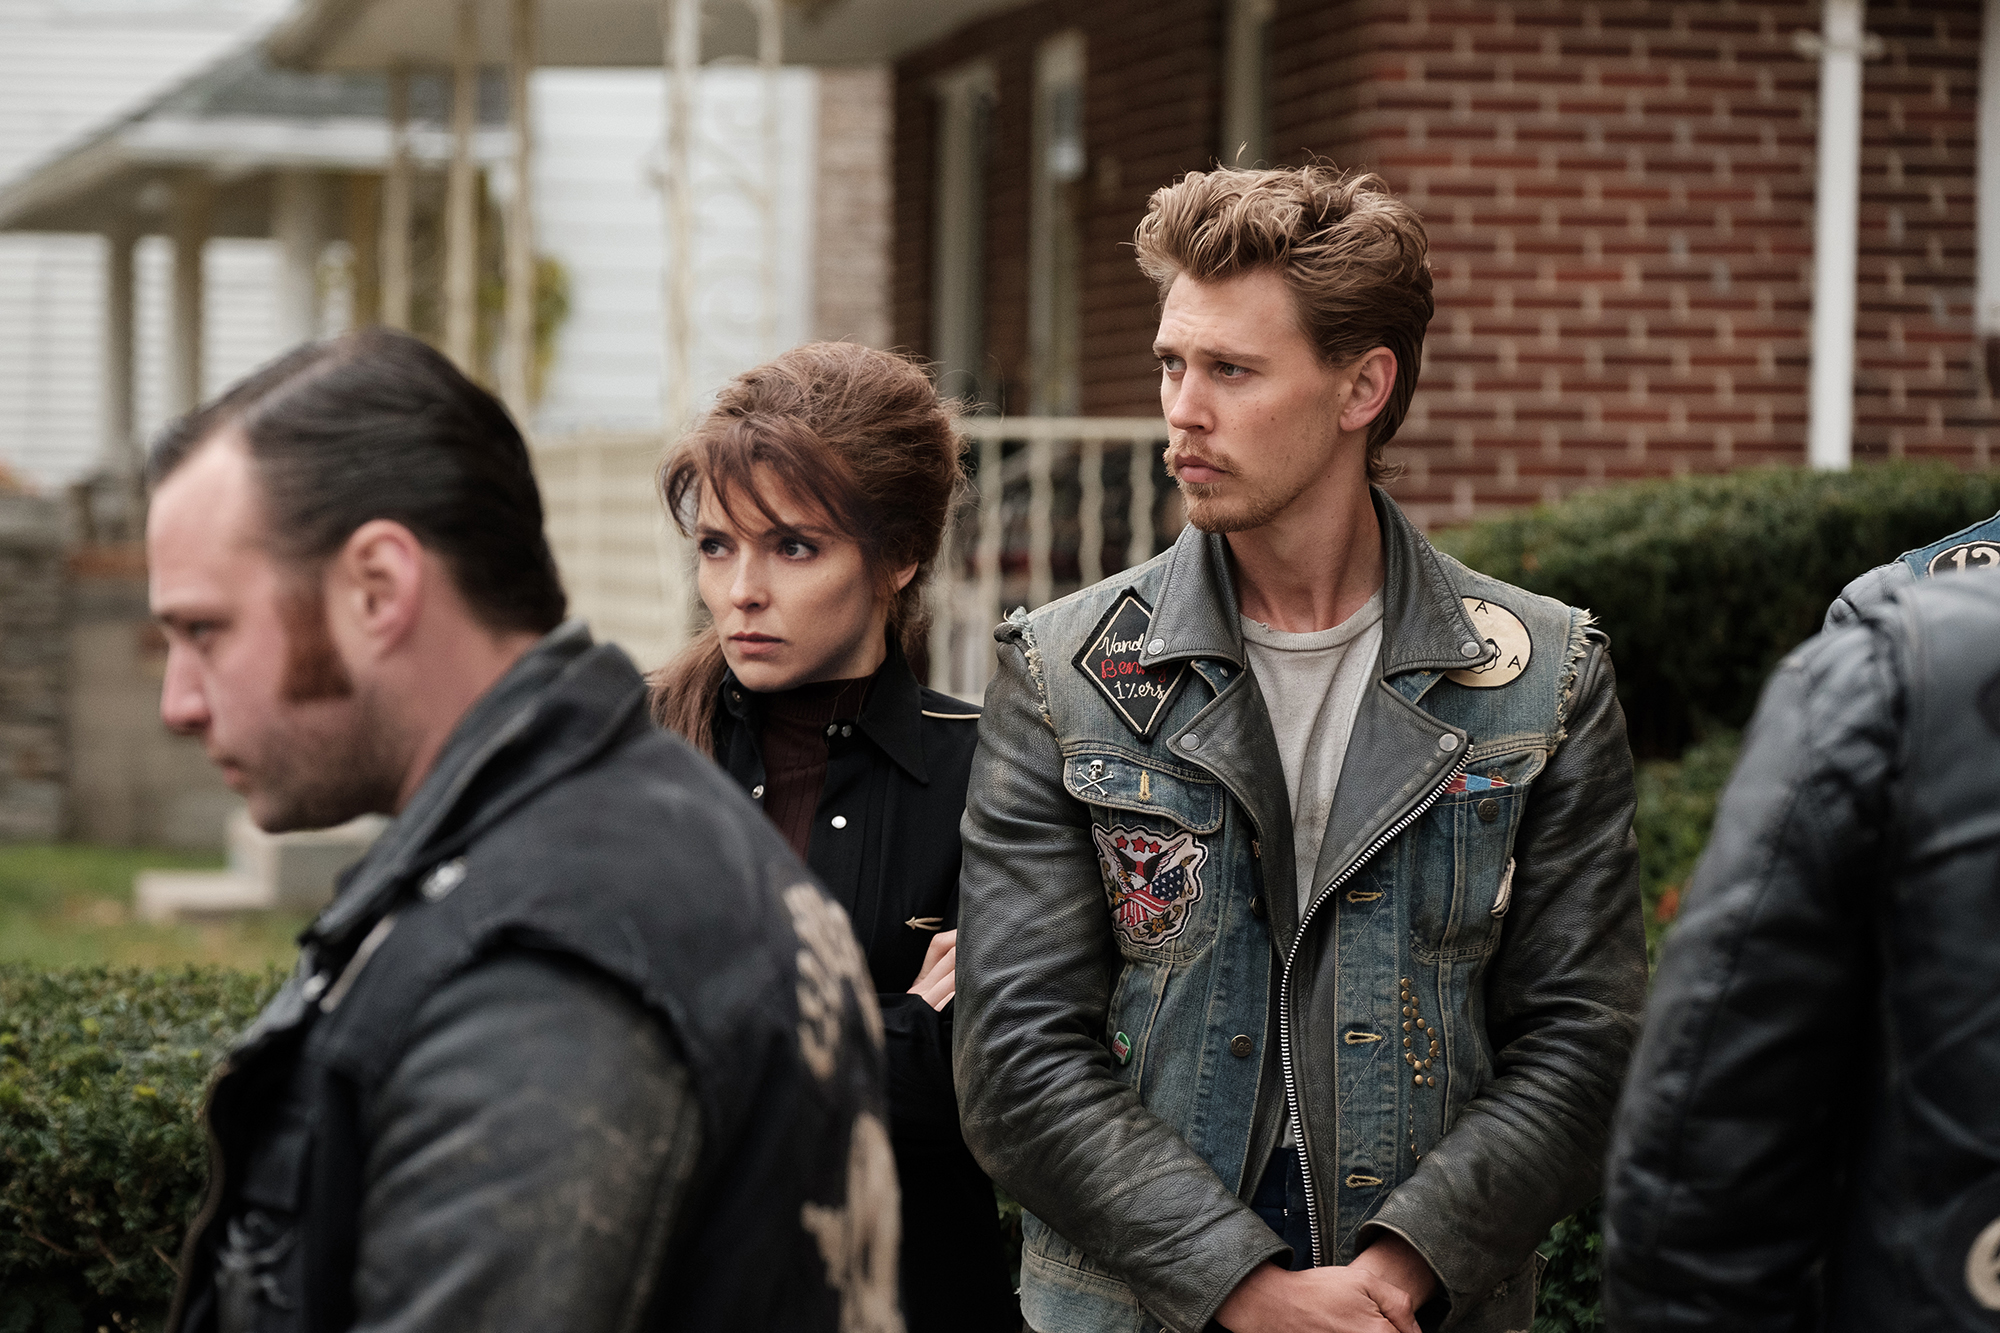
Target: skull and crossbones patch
x,y
1152,880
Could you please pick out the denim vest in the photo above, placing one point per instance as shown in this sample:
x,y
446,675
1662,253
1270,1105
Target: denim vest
x,y
1381,1038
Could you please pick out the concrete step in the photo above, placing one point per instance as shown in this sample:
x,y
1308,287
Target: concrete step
x,y
292,872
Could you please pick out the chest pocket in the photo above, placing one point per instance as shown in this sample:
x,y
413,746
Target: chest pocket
x,y
1462,853
1153,827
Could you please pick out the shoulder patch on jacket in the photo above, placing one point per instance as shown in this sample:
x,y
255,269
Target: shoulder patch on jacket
x,y
1110,658
1506,635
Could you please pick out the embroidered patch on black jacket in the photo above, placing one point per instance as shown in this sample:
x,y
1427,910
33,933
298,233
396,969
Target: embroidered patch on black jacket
x,y
1110,657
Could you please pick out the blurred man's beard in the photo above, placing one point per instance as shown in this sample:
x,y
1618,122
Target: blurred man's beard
x,y
334,755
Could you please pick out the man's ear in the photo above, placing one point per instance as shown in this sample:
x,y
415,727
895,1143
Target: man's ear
x,y
375,587
1374,377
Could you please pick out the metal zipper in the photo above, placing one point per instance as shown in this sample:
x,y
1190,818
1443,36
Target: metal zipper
x,y
1382,839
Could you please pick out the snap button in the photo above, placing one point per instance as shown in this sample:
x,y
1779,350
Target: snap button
x,y
757,792
314,988
1240,1046
1489,810
1257,908
1191,741
847,731
1157,646
1470,648
1447,742
831,729
444,879
840,821
735,696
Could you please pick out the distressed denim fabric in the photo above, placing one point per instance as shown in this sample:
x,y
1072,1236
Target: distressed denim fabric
x,y
1163,866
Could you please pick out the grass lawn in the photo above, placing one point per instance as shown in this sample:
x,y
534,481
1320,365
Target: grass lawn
x,y
64,904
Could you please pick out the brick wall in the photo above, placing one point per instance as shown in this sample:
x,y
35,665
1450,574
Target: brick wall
x,y
1619,198
1151,111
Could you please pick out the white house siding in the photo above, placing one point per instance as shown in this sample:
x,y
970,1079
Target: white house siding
x,y
599,210
67,67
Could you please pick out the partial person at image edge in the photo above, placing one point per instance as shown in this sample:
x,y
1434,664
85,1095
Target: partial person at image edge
x,y
578,1044
802,687
1975,546
1301,951
1811,1136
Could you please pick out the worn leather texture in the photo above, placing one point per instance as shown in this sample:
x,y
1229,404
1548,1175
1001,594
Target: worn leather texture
x,y
1811,1136
1463,991
559,821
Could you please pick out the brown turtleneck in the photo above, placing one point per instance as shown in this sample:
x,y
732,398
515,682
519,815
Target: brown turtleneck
x,y
795,751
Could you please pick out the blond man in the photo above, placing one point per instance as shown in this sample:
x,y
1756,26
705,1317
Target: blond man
x,y
1300,952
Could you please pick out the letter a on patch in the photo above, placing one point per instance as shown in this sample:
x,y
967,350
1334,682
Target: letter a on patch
x,y
1110,658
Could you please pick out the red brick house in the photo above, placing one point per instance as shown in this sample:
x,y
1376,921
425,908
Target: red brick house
x,y
1619,196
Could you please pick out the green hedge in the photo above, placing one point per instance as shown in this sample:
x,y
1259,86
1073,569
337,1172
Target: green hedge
x,y
102,1073
1705,582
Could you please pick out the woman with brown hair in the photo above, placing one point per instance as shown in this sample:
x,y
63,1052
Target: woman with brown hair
x,y
817,491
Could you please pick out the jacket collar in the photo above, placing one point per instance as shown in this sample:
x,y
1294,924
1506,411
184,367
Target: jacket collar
x,y
891,715
1425,625
553,711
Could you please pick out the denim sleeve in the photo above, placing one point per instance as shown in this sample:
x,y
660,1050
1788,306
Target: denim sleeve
x,y
530,1154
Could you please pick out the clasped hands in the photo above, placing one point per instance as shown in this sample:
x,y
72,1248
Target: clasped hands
x,y
1379,1291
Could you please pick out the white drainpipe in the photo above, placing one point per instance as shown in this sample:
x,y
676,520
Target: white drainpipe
x,y
1837,205
1987,315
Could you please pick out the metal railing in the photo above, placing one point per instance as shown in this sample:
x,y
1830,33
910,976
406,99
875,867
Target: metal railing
x,y
1057,504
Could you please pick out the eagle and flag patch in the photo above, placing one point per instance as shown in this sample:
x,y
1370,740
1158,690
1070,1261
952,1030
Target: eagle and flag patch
x,y
1152,880
1110,658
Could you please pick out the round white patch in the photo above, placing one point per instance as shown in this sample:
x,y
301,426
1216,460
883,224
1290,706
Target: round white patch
x,y
1503,630
1982,1267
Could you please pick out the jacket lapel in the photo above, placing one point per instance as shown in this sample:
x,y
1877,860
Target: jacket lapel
x,y
1393,754
1196,619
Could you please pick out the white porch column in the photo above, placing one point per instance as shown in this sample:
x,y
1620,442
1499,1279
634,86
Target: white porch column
x,y
121,445
297,207
517,346
681,20
461,237
188,227
1836,224
396,206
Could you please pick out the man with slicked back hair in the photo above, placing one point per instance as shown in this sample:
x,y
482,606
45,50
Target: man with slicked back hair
x,y
579,1044
1300,951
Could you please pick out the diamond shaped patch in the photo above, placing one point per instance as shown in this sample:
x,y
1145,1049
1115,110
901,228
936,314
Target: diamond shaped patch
x,y
1110,658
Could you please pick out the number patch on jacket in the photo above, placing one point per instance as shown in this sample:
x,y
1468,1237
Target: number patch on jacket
x,y
1152,879
1965,555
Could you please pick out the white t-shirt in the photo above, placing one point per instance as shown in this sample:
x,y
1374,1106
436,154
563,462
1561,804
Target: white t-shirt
x,y
1312,685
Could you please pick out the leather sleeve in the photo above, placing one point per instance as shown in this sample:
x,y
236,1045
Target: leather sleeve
x,y
1866,590
1563,995
528,1158
1038,1103
1723,1169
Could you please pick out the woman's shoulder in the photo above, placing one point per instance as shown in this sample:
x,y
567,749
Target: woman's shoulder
x,y
951,732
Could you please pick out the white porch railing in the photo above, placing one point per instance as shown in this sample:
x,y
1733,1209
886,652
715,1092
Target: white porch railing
x,y
1058,503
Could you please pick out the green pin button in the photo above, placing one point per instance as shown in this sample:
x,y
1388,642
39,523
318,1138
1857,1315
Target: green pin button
x,y
1121,1046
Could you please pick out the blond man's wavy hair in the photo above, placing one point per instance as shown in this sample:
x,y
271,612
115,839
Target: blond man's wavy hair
x,y
1354,256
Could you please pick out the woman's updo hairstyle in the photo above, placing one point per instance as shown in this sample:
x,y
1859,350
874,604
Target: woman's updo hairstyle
x,y
859,433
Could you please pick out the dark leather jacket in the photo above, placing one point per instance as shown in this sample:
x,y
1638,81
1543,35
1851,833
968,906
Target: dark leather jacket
x,y
1974,547
579,1044
1140,1000
1811,1135
895,779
